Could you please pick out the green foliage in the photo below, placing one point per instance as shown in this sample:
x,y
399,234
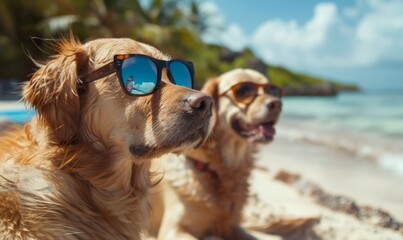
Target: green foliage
x,y
175,26
162,23
286,78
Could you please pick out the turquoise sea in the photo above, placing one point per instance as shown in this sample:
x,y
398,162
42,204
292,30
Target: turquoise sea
x,y
367,124
377,113
19,116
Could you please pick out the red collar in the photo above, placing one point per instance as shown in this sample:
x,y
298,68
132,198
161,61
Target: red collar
x,y
201,166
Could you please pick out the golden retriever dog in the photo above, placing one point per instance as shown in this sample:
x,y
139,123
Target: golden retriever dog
x,y
80,168
204,190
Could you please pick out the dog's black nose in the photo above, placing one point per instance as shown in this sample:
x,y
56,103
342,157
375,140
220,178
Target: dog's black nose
x,y
200,101
274,105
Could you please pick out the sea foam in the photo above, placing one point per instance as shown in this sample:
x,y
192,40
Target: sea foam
x,y
383,151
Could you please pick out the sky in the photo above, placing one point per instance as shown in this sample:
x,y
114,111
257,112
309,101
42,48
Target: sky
x,y
355,41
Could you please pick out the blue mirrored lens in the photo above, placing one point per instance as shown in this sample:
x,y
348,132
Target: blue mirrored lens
x,y
139,75
180,74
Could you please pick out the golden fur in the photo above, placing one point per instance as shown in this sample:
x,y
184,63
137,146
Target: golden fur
x,y
80,168
198,204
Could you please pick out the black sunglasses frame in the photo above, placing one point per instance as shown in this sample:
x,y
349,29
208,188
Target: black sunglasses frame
x,y
116,66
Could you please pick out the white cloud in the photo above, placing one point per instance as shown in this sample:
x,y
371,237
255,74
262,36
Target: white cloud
x,y
287,43
380,31
351,12
215,19
214,16
234,38
329,40
355,11
231,36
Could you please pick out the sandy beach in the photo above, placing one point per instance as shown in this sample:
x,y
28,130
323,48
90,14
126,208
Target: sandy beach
x,y
285,202
11,105
340,174
337,171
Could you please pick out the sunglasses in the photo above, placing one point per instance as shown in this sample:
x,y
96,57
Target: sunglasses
x,y
140,75
246,92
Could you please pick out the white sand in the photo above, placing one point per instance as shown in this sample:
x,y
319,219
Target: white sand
x,y
285,202
338,173
11,105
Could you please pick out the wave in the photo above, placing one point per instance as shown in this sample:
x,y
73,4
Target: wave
x,y
385,152
392,162
377,113
301,116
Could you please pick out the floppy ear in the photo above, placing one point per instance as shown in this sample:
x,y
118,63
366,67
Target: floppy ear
x,y
52,91
211,88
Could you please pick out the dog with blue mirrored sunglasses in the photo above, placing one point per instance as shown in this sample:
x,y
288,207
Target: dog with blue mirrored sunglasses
x,y
147,71
80,168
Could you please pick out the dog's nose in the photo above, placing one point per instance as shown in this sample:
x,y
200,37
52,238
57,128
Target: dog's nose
x,y
200,101
274,105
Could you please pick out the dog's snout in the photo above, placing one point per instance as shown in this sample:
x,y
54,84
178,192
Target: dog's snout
x,y
200,101
274,105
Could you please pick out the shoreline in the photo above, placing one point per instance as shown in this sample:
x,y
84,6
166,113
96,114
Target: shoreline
x,y
336,171
7,105
382,150
343,167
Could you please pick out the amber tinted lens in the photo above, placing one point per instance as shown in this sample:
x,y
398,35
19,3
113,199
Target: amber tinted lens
x,y
273,90
245,92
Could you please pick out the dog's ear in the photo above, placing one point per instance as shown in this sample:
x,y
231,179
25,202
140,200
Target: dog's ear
x,y
211,88
52,90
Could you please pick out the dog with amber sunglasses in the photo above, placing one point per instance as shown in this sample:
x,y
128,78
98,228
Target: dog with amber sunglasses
x,y
258,104
204,190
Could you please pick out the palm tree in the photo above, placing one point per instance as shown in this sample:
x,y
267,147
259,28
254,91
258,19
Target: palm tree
x,y
174,26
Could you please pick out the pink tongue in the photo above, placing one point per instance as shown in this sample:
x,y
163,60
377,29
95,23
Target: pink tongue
x,y
267,130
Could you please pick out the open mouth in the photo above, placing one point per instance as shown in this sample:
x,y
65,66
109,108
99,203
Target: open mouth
x,y
262,132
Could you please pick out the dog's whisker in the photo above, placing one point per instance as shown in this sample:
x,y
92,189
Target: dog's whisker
x,y
72,169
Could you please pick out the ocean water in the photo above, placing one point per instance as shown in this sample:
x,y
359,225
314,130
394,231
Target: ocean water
x,y
369,125
19,116
369,113
377,113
